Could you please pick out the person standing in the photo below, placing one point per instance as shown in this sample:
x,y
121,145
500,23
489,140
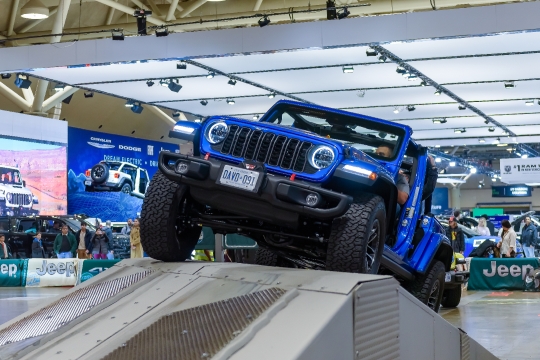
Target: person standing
x,y
489,225
108,229
455,235
482,228
83,237
37,247
4,248
508,236
99,245
529,237
126,230
65,244
135,239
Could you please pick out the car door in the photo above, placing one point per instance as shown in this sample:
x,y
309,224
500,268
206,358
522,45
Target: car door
x,y
143,181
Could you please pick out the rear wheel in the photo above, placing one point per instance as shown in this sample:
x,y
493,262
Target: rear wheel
x,y
357,238
166,233
428,288
451,297
126,189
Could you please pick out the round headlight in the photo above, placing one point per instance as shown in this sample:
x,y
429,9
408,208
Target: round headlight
x,y
321,157
217,132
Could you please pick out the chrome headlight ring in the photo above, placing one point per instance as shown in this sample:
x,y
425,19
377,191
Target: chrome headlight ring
x,y
321,157
216,132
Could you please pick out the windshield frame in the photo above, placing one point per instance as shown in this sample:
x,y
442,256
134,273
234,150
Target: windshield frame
x,y
13,172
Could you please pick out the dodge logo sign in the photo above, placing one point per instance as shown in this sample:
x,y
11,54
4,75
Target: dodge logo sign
x,y
130,148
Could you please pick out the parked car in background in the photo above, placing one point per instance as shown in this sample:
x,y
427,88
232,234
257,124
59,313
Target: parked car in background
x,y
117,176
15,197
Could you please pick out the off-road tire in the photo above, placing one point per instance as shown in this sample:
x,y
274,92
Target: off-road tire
x,y
126,188
423,286
160,210
348,243
101,169
451,297
266,257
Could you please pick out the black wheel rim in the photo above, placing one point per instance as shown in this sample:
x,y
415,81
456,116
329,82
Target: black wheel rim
x,y
372,248
98,172
126,189
434,295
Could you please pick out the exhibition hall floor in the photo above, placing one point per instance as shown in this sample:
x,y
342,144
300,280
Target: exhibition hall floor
x,y
506,323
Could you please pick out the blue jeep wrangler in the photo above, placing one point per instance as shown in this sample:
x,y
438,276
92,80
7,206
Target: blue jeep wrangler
x,y
312,185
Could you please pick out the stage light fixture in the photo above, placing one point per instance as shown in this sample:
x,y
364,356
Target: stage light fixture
x,y
164,82
348,69
129,103
204,102
423,83
181,65
331,12
59,87
230,101
88,94
232,82
452,163
462,107
271,95
371,52
509,85
174,87
343,13
437,93
439,121
438,160
118,34
255,117
411,108
176,114
149,83
486,121
35,10
162,31
524,156
210,75
401,70
6,76
264,21
491,129
460,131
22,81
502,145
137,108
482,140
473,170
497,140
382,58
411,77
529,103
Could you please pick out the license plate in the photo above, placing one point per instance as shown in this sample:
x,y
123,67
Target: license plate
x,y
88,182
448,277
239,178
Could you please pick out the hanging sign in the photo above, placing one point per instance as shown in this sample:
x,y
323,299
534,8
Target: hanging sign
x,y
520,171
511,191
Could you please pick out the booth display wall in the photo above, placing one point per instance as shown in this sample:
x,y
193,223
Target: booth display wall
x,y
33,163
88,148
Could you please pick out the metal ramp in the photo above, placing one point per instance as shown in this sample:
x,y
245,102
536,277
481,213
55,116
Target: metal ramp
x,y
145,309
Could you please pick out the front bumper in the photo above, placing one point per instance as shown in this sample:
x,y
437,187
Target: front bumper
x,y
278,200
455,279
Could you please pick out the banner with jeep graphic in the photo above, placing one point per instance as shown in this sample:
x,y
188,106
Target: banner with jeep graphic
x,y
11,273
51,272
499,274
91,268
109,174
520,171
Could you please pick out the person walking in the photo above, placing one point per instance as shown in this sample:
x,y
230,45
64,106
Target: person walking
x,y
135,239
455,235
37,247
489,225
4,248
99,245
529,237
83,237
65,244
126,230
482,228
508,236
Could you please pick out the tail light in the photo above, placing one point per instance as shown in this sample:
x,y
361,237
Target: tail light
x,y
87,172
116,176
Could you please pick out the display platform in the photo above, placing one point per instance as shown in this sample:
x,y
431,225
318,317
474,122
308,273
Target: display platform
x,y
142,308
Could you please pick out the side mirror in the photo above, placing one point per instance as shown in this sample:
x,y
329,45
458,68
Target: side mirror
x,y
24,183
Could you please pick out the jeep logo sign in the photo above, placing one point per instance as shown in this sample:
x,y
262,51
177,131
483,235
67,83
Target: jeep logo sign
x,y
130,148
61,268
10,269
503,271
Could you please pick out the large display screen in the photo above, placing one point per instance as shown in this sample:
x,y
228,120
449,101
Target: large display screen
x,y
32,177
511,191
109,174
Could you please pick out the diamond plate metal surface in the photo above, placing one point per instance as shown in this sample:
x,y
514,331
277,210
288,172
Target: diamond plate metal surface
x,y
197,333
66,309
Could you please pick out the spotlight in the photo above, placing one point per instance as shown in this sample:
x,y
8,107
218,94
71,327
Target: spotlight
x,y
411,108
401,70
22,81
473,170
271,95
509,85
452,163
58,87
480,185
264,21
524,156
438,160
149,83
255,117
232,82
529,103
344,13
204,102
502,145
174,87
491,129
460,131
331,12
164,82
437,146
437,93
348,69
137,108
162,31
371,52
88,94
482,140
129,103
486,121
397,110
118,34
6,76
230,101
423,83
382,58
497,140
518,153
210,75
181,65
439,121
176,114
411,77
462,107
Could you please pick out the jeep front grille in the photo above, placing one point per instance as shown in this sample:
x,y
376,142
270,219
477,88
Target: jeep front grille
x,y
19,199
266,147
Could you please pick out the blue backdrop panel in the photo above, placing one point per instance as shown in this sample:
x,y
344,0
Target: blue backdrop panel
x,y
439,201
86,149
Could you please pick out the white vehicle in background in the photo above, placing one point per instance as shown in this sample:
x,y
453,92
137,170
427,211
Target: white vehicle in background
x,y
15,197
117,176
